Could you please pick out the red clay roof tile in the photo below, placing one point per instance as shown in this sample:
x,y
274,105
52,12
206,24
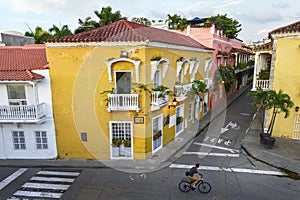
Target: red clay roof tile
x,y
126,31
16,62
291,28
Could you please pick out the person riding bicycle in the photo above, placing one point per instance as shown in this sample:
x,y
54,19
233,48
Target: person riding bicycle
x,y
194,175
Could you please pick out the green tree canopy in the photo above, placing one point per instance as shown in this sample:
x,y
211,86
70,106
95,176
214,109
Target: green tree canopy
x,y
39,35
141,20
229,26
175,22
59,32
106,16
86,24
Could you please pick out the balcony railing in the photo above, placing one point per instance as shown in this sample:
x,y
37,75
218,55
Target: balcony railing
x,y
123,102
180,91
22,113
263,84
159,98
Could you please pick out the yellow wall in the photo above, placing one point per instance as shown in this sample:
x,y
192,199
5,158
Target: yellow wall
x,y
287,78
79,77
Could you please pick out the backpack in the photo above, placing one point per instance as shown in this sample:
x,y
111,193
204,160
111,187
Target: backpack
x,y
187,173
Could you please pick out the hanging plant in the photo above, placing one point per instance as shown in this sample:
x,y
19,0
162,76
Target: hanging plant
x,y
157,135
179,120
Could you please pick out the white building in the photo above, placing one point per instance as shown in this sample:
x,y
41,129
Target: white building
x,y
26,118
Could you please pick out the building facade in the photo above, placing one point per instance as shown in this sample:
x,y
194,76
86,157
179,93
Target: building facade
x,y
277,67
123,91
26,119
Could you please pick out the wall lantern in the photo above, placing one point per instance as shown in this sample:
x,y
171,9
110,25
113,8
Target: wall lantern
x,y
297,108
174,103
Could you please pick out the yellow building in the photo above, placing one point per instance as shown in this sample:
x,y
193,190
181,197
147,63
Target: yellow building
x,y
277,67
114,90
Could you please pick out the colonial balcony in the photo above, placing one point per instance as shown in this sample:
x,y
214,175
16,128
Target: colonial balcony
x,y
158,99
123,102
263,84
180,91
23,113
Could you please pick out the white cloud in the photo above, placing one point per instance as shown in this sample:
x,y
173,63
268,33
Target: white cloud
x,y
280,4
262,31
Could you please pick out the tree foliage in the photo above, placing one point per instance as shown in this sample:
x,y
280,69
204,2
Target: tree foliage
x,y
59,32
226,73
106,16
141,20
229,26
39,35
277,101
175,22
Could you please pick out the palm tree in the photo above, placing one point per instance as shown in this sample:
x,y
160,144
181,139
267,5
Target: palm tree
x,y
86,25
39,35
106,16
280,102
60,32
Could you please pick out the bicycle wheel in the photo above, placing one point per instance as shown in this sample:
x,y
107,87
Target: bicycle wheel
x,y
204,187
184,186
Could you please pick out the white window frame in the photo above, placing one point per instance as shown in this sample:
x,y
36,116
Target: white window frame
x,y
19,143
122,136
43,140
16,101
160,127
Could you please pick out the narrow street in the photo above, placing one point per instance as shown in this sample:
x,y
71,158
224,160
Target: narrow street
x,y
230,171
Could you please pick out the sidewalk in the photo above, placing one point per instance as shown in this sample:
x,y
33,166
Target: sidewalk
x,y
285,154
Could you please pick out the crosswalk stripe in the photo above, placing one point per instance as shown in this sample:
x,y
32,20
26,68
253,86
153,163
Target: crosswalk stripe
x,y
252,171
212,154
46,186
217,147
12,177
59,173
52,179
38,194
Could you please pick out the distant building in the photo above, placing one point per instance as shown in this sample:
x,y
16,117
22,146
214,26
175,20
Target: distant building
x,y
13,38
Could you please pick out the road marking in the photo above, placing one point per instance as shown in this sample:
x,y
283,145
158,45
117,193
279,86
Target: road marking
x,y
212,154
38,194
12,177
46,186
217,147
241,170
37,178
59,173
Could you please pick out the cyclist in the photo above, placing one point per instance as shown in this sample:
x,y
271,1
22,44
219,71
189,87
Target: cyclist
x,y
194,175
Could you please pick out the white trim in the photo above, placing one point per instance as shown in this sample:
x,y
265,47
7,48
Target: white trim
x,y
222,42
119,44
160,125
110,141
136,64
115,82
155,63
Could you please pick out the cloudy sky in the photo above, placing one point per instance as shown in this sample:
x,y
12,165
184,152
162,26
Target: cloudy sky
x,y
257,17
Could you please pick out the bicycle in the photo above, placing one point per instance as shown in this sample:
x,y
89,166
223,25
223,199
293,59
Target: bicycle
x,y
185,185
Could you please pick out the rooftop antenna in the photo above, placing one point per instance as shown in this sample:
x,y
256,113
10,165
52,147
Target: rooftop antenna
x,y
28,27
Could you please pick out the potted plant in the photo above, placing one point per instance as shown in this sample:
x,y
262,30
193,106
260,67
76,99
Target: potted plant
x,y
127,146
157,135
116,142
278,102
179,120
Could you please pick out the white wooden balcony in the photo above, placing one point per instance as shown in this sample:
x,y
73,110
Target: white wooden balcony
x,y
263,84
180,91
159,99
123,102
23,113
